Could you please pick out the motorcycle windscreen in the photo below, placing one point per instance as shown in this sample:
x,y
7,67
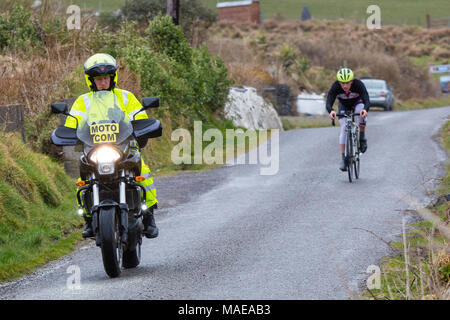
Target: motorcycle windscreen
x,y
105,121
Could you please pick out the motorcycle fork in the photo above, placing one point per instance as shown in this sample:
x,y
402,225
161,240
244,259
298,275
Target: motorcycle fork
x,y
123,206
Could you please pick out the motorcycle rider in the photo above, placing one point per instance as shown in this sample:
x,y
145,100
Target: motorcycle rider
x,y
101,74
353,97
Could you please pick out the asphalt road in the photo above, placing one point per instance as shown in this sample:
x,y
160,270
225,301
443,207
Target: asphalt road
x,y
232,233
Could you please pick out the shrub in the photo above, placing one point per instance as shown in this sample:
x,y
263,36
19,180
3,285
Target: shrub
x,y
190,82
17,30
143,10
167,38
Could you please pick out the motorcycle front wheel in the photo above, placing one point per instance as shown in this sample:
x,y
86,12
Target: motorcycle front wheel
x,y
110,241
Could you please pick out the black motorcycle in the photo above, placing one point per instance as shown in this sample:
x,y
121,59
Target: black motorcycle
x,y
110,167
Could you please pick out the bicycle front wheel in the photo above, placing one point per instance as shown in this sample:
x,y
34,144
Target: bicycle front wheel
x,y
349,156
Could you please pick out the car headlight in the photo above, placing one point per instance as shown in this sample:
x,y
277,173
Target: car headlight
x,y
105,154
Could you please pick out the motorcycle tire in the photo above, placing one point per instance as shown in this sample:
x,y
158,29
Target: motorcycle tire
x,y
111,246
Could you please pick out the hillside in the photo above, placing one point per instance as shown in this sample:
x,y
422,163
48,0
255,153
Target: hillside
x,y
392,12
306,55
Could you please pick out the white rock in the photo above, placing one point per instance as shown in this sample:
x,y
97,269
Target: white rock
x,y
249,110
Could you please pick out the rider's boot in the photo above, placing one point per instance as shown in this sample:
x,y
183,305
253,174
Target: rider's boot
x,y
343,165
150,228
362,142
88,231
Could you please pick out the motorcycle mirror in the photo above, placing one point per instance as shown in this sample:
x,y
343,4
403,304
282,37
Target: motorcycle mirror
x,y
60,107
150,102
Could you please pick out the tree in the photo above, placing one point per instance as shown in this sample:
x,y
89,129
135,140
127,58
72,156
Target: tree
x,y
173,10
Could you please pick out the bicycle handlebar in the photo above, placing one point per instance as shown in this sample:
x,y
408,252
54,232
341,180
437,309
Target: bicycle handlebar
x,y
350,115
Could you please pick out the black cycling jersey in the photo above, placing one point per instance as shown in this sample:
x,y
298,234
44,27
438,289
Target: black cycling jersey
x,y
357,92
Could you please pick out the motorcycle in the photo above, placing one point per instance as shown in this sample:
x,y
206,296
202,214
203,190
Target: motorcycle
x,y
110,167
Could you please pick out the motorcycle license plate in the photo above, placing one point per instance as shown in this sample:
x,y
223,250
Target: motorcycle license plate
x,y
104,132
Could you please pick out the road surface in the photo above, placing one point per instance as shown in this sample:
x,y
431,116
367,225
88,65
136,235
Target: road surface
x,y
302,233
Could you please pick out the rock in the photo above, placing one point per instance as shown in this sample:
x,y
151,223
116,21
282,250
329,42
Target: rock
x,y
249,110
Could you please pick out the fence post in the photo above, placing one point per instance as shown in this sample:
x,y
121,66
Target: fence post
x,y
12,119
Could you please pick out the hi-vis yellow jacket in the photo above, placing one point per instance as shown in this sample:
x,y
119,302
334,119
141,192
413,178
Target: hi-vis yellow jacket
x,y
128,102
130,106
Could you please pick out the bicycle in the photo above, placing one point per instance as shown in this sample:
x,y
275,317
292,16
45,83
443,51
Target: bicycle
x,y
352,146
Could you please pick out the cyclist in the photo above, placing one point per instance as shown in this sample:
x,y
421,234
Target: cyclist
x,y
353,97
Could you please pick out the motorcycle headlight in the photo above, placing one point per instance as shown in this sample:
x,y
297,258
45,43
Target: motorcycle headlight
x,y
105,154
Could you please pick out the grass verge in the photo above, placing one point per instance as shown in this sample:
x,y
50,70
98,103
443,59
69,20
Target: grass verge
x,y
306,122
37,212
415,104
242,144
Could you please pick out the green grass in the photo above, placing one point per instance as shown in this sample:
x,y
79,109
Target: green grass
x,y
38,221
444,187
41,243
398,12
165,166
427,61
306,122
415,104
422,268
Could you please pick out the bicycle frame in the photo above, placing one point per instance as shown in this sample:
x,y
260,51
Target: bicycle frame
x,y
353,130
